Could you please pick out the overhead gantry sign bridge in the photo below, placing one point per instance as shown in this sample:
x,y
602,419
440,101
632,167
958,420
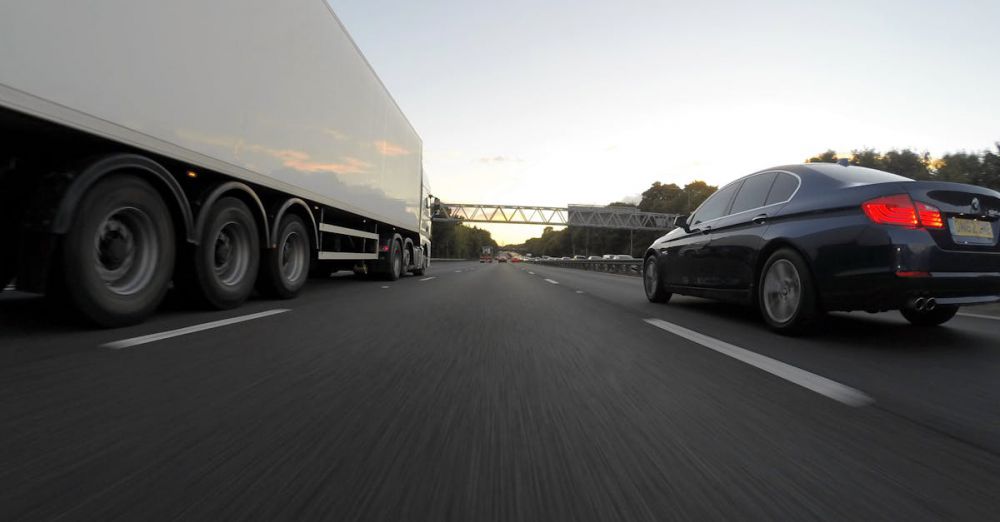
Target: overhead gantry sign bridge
x,y
621,218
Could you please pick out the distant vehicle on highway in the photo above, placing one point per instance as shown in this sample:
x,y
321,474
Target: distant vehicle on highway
x,y
486,254
622,257
567,258
595,258
579,257
801,240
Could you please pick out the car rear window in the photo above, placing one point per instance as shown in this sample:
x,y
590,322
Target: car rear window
x,y
783,188
856,175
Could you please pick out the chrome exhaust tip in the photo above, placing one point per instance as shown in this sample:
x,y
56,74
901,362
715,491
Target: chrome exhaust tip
x,y
930,304
918,304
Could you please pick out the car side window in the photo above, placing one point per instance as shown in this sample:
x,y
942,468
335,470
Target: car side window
x,y
783,188
753,194
716,204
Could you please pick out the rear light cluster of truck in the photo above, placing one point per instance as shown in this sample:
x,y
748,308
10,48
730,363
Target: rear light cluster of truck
x,y
900,210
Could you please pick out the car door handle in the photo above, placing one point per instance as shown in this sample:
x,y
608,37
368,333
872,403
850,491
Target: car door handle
x,y
760,219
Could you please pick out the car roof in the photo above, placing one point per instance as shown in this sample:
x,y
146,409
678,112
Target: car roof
x,y
851,175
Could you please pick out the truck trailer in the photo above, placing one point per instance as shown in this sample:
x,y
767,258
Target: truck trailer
x,y
214,146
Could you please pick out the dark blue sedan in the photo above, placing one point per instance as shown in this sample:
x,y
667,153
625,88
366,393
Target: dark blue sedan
x,y
800,240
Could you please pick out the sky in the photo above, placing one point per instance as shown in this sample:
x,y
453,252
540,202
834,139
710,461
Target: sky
x,y
586,102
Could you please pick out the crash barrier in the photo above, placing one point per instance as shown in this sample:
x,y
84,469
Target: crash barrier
x,y
613,266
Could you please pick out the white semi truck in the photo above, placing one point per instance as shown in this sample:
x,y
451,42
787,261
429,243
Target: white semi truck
x,y
221,146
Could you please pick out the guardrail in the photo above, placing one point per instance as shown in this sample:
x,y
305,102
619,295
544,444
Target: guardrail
x,y
631,267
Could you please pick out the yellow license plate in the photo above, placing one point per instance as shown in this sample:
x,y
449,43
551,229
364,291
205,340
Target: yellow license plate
x,y
972,228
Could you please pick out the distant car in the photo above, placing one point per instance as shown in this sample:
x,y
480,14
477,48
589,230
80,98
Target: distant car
x,y
800,240
595,258
579,257
622,257
501,260
516,260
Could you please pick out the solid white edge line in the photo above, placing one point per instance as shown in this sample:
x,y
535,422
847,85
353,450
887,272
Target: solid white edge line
x,y
551,281
429,278
135,341
980,316
821,385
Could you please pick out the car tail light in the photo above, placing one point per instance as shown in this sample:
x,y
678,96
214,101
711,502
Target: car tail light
x,y
892,210
900,210
930,217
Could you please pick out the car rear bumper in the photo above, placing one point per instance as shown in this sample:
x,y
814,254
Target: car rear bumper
x,y
888,291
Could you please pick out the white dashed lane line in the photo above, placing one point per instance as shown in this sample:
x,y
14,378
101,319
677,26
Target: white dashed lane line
x,y
532,273
136,341
429,278
821,385
980,316
551,281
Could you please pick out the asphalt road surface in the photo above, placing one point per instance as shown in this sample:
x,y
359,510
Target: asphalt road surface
x,y
495,392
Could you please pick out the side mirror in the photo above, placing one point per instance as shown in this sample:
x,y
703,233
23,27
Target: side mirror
x,y
682,222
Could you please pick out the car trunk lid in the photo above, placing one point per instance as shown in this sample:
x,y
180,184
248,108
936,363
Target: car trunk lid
x,y
971,215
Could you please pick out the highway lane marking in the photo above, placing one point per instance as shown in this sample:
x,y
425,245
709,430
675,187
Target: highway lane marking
x,y
386,286
429,278
551,281
980,316
579,291
136,341
458,271
532,273
821,385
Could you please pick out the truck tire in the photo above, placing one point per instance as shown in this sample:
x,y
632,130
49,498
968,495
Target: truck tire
x,y
395,269
225,262
423,268
285,268
118,257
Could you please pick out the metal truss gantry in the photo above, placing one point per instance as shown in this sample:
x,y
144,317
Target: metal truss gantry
x,y
622,218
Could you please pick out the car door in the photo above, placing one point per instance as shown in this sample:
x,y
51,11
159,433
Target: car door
x,y
736,237
685,254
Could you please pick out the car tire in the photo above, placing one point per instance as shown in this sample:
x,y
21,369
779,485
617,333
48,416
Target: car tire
x,y
118,257
395,269
224,265
285,268
786,295
652,282
938,316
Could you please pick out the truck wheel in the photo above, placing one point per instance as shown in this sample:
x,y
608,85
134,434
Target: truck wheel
x,y
395,262
422,270
226,260
118,257
786,294
286,268
939,315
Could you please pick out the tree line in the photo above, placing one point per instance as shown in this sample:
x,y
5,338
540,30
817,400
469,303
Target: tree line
x,y
975,168
457,241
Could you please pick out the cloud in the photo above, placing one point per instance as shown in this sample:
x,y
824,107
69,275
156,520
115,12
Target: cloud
x,y
390,149
500,159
